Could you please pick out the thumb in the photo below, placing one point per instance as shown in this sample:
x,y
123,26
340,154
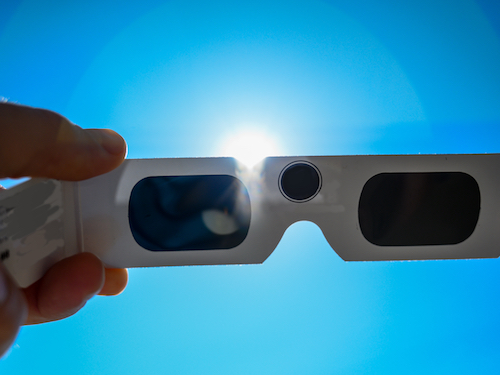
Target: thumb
x,y
40,143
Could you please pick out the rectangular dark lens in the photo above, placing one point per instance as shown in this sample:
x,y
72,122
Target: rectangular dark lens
x,y
415,209
189,212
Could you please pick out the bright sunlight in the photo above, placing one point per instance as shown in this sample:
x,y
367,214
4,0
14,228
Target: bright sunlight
x,y
249,147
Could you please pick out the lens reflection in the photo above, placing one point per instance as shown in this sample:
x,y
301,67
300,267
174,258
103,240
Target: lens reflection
x,y
189,212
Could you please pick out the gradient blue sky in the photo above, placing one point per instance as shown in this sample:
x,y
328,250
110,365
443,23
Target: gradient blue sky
x,y
322,78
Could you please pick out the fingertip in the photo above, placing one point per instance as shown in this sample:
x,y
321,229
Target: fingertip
x,y
116,280
42,143
95,151
112,142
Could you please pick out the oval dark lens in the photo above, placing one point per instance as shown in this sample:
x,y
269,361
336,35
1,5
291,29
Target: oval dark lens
x,y
415,209
189,212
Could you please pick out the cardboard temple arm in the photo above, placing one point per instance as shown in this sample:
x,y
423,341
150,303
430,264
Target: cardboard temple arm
x,y
39,225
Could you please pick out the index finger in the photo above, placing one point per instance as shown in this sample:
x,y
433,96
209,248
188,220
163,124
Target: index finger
x,y
40,143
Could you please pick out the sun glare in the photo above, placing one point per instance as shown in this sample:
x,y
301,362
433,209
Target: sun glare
x,y
249,147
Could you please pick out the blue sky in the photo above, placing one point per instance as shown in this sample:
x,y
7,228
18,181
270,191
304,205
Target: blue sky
x,y
321,78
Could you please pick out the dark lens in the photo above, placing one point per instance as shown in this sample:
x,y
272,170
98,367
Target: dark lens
x,y
189,212
300,182
415,209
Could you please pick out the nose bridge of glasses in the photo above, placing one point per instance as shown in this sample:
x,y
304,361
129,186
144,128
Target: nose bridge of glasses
x,y
325,199
334,208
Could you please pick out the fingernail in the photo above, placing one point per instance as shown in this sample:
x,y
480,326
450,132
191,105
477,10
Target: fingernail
x,y
111,141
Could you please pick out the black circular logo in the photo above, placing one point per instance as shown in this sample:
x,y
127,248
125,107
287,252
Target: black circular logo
x,y
300,181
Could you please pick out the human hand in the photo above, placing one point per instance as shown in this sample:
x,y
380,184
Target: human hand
x,y
40,143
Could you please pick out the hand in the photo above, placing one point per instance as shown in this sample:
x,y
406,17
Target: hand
x,y
40,143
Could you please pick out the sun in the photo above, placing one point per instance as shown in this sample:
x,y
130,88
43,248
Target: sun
x,y
250,146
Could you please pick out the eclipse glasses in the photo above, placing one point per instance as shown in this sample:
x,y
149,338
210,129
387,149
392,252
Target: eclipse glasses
x,y
197,211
